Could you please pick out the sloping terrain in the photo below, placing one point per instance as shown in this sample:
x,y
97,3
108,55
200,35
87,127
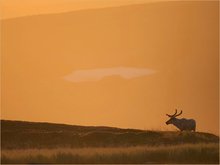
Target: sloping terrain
x,y
23,135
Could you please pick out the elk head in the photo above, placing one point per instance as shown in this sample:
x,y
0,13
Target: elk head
x,y
173,117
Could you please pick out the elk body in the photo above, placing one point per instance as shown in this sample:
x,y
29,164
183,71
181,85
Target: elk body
x,y
182,124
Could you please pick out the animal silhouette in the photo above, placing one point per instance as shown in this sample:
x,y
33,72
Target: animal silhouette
x,y
182,124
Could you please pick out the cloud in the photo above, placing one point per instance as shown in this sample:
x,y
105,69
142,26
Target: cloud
x,y
98,74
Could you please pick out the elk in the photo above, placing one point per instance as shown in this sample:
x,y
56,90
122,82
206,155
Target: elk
x,y
182,124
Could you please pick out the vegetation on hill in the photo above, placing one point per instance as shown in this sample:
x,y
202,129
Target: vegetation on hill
x,y
17,135
35,142
183,153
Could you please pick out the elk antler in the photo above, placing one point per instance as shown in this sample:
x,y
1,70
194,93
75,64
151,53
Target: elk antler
x,y
173,114
179,113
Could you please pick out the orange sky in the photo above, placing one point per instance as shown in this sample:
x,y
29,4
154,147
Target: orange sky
x,y
18,8
123,66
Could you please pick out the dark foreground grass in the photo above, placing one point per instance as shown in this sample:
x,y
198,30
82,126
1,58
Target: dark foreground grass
x,y
185,153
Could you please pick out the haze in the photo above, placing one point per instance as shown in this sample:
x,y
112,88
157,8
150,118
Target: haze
x,y
111,63
19,8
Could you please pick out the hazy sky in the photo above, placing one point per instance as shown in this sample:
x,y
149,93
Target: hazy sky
x,y
18,8
123,66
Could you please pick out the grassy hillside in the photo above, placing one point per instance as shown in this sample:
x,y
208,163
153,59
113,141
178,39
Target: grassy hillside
x,y
20,134
34,142
184,153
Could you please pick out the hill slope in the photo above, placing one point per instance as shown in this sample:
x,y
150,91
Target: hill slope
x,y
21,134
